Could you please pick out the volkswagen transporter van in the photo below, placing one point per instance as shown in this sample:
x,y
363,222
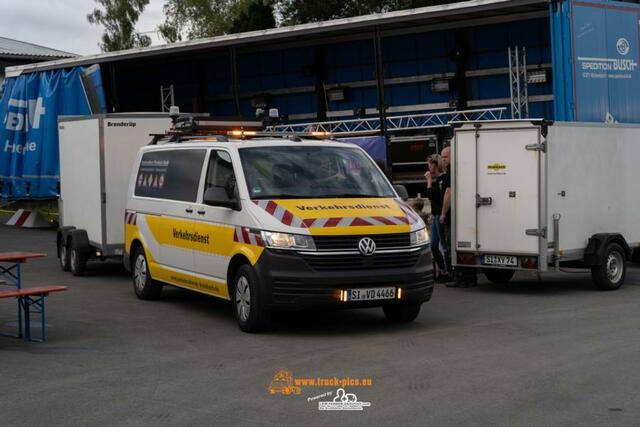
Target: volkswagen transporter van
x,y
273,224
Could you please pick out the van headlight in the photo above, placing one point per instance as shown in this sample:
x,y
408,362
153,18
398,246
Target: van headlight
x,y
288,241
419,237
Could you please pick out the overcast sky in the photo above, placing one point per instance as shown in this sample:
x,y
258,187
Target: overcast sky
x,y
62,24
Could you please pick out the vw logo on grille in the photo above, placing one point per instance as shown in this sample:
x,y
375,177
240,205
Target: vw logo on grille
x,y
367,246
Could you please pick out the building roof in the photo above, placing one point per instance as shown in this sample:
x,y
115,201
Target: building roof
x,y
390,21
19,49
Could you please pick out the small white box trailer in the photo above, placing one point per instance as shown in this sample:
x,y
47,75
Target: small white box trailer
x,y
534,195
96,157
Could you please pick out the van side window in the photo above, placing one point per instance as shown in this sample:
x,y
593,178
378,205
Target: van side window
x,y
220,172
170,174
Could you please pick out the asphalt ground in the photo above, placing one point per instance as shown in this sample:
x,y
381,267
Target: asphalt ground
x,y
550,352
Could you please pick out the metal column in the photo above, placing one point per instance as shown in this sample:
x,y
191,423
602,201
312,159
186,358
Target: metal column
x,y
518,89
233,64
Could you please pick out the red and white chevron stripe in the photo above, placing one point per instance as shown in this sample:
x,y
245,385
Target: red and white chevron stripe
x,y
287,218
244,235
411,214
280,213
355,221
130,217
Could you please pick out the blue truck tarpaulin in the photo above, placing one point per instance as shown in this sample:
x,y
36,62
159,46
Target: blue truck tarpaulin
x,y
30,106
596,71
375,146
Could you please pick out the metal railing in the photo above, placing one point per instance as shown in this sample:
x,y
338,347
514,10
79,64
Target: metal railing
x,y
371,125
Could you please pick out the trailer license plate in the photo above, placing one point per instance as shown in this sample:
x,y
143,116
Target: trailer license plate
x,y
506,260
369,294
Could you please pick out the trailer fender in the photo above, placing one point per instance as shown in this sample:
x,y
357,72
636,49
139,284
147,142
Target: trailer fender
x,y
80,241
62,235
594,252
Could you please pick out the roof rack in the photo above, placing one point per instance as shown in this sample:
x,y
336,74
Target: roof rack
x,y
189,128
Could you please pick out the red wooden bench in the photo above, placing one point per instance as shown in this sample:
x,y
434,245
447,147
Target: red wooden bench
x,y
29,298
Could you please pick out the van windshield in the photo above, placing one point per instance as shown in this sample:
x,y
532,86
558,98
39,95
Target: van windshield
x,y
311,172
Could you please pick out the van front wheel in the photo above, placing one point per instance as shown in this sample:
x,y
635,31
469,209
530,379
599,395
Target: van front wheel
x,y
249,307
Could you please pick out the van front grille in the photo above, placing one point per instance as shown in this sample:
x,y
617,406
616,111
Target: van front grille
x,y
342,243
361,262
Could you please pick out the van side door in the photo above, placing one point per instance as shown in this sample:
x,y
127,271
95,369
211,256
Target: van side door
x,y
217,224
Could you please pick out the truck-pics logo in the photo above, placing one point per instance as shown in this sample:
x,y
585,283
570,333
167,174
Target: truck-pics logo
x,y
343,401
283,383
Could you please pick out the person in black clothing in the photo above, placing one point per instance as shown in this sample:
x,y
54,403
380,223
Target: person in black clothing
x,y
435,193
464,277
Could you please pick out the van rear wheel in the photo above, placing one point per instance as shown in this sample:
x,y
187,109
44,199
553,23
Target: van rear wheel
x,y
249,306
402,313
610,274
143,284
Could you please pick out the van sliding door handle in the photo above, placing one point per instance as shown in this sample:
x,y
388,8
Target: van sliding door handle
x,y
188,210
202,212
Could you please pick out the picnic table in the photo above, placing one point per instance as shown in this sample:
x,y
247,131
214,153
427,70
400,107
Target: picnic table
x,y
30,300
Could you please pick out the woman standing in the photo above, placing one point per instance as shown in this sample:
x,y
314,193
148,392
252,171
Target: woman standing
x,y
434,177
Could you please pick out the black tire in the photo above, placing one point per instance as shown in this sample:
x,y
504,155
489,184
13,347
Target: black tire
x,y
610,274
499,276
144,286
249,306
402,313
77,261
63,255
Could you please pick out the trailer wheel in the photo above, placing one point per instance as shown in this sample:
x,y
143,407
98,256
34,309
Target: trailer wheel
x,y
63,253
498,276
77,261
610,274
143,284
402,313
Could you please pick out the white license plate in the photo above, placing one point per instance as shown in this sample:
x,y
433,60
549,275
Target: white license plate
x,y
369,294
505,260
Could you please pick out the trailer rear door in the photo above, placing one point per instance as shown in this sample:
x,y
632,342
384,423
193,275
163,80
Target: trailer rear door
x,y
497,169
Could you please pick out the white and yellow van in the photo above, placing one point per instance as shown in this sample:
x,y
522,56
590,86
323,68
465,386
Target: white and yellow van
x,y
274,224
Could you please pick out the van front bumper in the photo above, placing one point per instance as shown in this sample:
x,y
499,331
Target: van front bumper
x,y
290,282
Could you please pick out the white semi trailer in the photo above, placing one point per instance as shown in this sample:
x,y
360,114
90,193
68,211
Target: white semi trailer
x,y
535,195
96,157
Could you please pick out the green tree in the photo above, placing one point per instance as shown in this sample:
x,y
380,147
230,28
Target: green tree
x,y
193,19
119,18
303,11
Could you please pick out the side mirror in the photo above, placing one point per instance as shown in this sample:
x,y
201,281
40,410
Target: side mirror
x,y
219,196
402,192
